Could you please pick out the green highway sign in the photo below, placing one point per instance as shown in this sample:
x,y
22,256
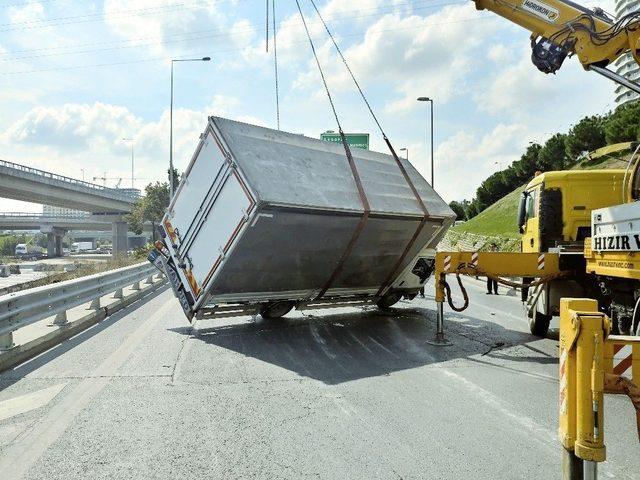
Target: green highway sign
x,y
355,140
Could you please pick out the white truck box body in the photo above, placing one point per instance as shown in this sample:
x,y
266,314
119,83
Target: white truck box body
x,y
262,215
81,246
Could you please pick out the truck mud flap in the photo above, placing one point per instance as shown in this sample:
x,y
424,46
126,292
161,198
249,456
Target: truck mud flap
x,y
174,279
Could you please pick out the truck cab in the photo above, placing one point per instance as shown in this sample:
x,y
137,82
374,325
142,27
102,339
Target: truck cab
x,y
554,214
555,207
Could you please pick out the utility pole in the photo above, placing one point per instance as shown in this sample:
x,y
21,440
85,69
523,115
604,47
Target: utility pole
x,y
430,100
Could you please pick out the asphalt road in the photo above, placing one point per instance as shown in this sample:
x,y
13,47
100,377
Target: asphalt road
x,y
349,394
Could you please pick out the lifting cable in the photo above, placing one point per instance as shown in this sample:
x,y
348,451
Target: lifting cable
x,y
352,166
275,54
275,61
477,271
266,29
403,170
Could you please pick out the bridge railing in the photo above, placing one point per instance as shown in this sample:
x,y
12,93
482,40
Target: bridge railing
x,y
81,183
20,309
45,215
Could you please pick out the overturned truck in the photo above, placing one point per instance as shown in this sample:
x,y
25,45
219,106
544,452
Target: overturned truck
x,y
264,221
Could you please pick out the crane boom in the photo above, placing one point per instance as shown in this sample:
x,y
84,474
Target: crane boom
x,y
560,28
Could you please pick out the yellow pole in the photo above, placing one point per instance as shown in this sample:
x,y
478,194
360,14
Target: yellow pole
x,y
589,389
583,330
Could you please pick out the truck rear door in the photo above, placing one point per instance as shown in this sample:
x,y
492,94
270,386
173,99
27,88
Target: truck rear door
x,y
208,211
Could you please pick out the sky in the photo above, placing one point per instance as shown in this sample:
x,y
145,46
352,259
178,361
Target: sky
x,y
79,77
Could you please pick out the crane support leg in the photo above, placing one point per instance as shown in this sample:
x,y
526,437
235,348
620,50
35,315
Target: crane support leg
x,y
591,364
439,340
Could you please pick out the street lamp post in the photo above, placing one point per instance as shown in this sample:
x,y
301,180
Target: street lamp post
x,y
171,181
130,140
403,149
430,100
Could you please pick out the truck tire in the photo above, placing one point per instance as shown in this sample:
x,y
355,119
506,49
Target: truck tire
x,y
273,310
550,218
539,324
388,299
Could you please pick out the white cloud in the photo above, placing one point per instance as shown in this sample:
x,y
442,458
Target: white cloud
x,y
32,11
499,54
73,126
178,28
415,54
71,137
520,91
464,160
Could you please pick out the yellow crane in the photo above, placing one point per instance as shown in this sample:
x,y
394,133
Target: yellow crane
x,y
592,361
560,28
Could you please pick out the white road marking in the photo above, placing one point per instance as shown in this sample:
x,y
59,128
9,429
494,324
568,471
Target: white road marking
x,y
21,455
30,401
476,392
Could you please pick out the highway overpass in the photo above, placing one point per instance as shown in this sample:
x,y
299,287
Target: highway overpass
x,y
19,182
34,221
55,226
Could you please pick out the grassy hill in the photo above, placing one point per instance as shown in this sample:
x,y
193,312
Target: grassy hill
x,y
499,220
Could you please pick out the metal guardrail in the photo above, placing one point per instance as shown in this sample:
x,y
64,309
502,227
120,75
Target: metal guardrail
x,y
17,310
111,192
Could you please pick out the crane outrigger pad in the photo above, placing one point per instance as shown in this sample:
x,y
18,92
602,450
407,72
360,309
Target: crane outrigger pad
x,y
263,215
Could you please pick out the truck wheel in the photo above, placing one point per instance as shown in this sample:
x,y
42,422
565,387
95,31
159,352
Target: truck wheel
x,y
388,300
275,309
539,324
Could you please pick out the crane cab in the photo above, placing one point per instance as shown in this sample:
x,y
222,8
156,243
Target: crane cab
x,y
555,207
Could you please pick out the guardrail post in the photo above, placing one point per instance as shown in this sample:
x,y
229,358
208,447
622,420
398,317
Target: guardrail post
x,y
118,293
135,286
6,341
149,280
61,318
95,304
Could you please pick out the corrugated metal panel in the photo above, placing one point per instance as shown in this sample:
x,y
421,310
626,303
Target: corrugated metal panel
x,y
289,169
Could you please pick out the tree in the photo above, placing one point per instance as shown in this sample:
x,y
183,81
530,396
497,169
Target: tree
x,y
150,208
491,189
176,179
8,243
622,125
586,135
471,209
458,208
526,167
553,155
